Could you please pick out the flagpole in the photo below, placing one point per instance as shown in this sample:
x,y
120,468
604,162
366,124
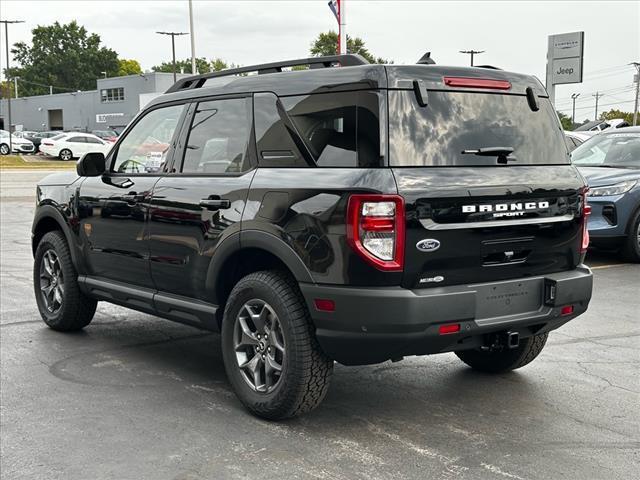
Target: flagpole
x,y
342,27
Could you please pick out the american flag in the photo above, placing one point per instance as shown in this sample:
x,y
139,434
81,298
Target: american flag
x,y
334,5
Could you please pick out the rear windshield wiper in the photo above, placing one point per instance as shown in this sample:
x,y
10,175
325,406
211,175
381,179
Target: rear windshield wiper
x,y
503,153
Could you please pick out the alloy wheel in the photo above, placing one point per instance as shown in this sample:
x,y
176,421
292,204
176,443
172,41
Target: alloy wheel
x,y
65,155
51,281
259,345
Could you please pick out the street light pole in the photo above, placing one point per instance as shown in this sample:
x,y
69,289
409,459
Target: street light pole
x,y
15,85
6,39
173,48
573,111
472,53
193,40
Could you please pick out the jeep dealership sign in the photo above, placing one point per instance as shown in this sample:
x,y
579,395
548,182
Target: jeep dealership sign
x,y
564,60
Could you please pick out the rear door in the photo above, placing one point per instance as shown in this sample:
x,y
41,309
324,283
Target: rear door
x,y
490,193
200,204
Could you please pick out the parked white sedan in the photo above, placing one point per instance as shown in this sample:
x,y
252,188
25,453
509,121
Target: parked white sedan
x,y
72,145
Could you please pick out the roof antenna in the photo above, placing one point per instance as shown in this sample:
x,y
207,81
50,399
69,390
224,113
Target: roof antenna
x,y
426,59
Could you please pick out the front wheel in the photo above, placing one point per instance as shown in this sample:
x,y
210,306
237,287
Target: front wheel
x,y
271,356
65,154
4,149
505,359
61,304
631,247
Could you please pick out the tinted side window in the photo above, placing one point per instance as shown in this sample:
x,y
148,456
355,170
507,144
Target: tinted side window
x,y
274,137
145,148
340,129
77,140
219,137
93,140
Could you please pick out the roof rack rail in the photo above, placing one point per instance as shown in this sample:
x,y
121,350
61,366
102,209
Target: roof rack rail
x,y
196,81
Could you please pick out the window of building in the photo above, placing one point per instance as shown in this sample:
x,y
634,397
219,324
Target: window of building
x,y
146,146
219,137
112,95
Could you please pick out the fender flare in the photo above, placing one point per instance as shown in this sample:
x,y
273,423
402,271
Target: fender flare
x,y
268,242
49,211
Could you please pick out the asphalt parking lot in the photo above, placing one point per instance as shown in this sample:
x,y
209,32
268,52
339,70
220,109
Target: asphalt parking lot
x,y
137,397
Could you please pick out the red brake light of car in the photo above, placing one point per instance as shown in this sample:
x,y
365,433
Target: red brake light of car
x,y
48,144
566,310
376,230
466,82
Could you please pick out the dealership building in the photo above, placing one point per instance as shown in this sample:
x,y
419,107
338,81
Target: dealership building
x,y
111,106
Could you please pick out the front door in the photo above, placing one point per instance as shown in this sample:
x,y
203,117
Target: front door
x,y
115,206
196,208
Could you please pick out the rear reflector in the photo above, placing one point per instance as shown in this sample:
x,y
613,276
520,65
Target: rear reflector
x,y
566,310
324,305
466,82
449,328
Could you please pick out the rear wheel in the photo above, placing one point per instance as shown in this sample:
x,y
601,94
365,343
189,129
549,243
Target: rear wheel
x,y
505,359
65,154
631,247
271,355
61,304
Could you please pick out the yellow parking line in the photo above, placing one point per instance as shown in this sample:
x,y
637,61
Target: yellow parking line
x,y
600,267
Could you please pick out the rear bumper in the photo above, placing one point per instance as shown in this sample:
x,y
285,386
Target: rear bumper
x,y
371,325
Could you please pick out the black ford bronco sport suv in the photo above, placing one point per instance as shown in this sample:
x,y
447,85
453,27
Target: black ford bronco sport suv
x,y
345,212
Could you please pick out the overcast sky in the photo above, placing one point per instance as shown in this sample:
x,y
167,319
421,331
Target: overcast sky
x,y
513,33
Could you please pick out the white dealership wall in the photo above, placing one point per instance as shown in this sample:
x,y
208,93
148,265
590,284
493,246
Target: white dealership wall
x,y
85,110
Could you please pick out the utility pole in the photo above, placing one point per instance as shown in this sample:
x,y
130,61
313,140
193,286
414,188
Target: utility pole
x,y
6,39
472,53
173,48
193,40
573,111
637,79
15,85
597,95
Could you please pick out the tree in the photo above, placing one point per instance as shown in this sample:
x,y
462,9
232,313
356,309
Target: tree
x,y
327,44
565,120
63,55
128,67
202,65
613,113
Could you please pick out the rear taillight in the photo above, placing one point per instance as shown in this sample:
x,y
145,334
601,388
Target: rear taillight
x,y
586,211
375,229
48,144
466,82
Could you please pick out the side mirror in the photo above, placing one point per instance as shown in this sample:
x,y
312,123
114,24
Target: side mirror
x,y
91,164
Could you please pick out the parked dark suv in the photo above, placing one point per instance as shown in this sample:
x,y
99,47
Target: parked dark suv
x,y
346,212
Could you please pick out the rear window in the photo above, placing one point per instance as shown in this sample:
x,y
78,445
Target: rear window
x,y
453,122
59,136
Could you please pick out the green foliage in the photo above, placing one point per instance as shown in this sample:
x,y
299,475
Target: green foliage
x,y
7,88
128,67
202,65
62,55
327,44
565,120
613,113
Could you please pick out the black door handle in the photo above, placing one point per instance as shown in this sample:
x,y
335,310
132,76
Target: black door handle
x,y
215,204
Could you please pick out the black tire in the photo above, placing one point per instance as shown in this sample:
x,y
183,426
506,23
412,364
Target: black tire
x,y
498,361
75,310
631,248
306,370
65,154
4,149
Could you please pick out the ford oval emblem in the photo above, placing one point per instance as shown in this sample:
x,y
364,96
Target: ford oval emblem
x,y
428,245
